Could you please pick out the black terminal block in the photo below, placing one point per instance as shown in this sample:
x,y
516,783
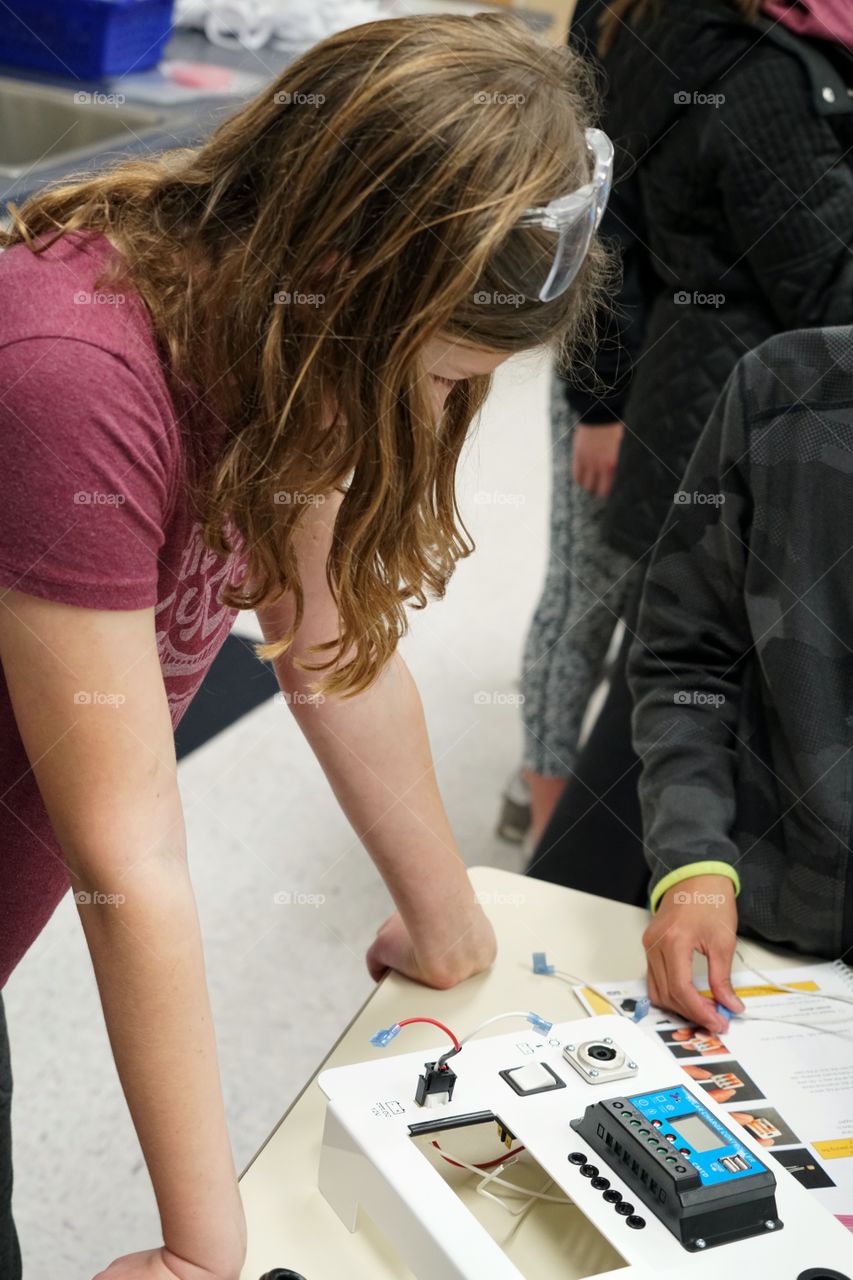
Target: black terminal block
x,y
435,1080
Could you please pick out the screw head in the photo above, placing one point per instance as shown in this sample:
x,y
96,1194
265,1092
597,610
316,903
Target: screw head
x,y
608,1039
633,1066
770,1225
827,94
594,1073
571,1048
700,1243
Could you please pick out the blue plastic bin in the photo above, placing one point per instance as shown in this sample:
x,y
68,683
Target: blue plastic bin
x,y
84,39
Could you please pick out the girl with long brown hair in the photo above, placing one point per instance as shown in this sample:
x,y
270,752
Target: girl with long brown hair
x,y
241,377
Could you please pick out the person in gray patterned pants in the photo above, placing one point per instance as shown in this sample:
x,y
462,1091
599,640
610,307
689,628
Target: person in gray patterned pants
x,y
573,623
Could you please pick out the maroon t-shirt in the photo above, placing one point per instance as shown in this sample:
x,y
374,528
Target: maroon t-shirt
x,y
95,513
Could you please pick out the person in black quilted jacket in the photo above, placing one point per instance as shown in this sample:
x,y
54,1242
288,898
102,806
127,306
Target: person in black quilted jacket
x,y
733,209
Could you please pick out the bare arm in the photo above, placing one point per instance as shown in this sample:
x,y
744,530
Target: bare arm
x,y
106,771
375,752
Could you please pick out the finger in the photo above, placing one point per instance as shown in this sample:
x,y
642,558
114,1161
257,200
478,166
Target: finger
x,y
652,986
720,954
654,973
678,961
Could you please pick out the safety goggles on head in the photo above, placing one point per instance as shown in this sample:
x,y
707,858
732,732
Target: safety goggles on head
x,y
563,229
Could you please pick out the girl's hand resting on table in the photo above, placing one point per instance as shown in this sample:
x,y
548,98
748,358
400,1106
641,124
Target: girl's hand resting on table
x,y
699,914
473,951
160,1264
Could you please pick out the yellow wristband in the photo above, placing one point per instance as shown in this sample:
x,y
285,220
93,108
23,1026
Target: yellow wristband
x,y
687,873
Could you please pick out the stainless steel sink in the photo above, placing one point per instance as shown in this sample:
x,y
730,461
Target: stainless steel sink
x,y
42,127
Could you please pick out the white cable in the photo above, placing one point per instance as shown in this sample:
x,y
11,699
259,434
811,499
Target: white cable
x,y
827,1028
495,1177
581,982
518,1213
516,1013
523,1209
783,986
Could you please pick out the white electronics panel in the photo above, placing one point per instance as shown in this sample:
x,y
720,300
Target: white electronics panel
x,y
528,1082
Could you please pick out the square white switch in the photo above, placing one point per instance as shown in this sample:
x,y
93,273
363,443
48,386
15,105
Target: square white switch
x,y
533,1077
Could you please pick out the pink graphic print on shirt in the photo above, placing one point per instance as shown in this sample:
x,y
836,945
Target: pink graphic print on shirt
x,y
192,622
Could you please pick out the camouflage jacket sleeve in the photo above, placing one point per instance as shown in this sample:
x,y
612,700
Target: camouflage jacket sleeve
x,y
692,645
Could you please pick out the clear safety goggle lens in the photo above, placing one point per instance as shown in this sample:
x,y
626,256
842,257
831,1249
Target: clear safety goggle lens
x,y
557,236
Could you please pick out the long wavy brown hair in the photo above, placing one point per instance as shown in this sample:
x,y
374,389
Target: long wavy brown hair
x,y
619,13
302,257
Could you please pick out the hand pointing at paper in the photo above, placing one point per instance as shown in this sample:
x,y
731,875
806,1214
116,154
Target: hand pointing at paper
x,y
698,915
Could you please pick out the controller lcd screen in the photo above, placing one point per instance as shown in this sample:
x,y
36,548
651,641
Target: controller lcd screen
x,y
699,1135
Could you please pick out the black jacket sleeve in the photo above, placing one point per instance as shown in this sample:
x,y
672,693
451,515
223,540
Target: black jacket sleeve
x,y
692,641
786,181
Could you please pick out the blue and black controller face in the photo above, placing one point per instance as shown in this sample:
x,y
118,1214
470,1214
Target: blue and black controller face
x,y
681,1129
685,1164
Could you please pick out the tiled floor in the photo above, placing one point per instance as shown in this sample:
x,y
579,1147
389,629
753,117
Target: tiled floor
x,y
284,979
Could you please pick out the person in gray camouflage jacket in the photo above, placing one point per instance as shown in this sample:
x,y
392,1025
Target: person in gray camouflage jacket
x,y
742,676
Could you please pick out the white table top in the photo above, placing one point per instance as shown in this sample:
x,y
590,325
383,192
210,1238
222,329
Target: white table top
x,y
290,1224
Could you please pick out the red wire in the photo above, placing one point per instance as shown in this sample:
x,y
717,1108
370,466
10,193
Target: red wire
x,y
487,1164
407,1022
